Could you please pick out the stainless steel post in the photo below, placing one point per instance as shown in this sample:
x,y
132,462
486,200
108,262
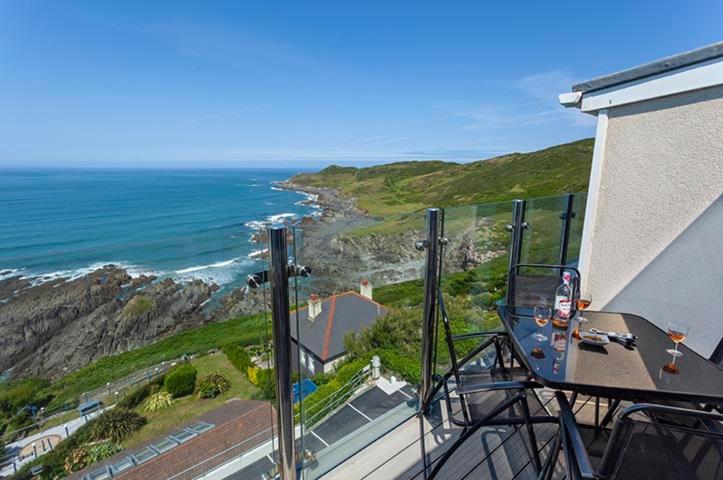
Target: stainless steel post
x,y
566,216
516,227
430,303
279,277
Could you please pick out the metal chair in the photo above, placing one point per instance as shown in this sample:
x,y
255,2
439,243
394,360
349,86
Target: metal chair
x,y
528,285
492,391
638,448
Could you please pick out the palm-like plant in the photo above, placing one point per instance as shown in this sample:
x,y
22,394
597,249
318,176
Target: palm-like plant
x,y
116,424
213,385
158,401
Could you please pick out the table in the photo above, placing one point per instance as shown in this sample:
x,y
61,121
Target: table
x,y
612,371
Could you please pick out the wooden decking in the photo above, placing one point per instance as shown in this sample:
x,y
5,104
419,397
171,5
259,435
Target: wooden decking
x,y
495,452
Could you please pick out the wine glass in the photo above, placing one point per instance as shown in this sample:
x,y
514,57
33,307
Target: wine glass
x,y
583,301
677,331
542,315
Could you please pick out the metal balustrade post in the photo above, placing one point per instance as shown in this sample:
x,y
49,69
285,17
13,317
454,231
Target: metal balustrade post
x,y
516,227
431,280
566,216
279,277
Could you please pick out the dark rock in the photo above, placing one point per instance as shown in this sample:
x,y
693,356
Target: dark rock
x,y
63,325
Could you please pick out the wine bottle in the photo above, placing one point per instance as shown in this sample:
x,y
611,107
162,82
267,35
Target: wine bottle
x,y
563,301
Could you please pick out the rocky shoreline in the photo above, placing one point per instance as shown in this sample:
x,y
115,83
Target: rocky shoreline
x,y
63,324
108,311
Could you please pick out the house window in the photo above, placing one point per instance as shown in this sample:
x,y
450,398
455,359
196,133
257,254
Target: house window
x,y
310,365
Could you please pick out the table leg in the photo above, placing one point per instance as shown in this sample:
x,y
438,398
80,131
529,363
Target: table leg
x,y
597,411
609,415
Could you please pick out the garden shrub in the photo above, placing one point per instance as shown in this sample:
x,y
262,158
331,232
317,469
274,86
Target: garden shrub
x,y
238,357
181,380
78,459
135,397
158,401
86,455
213,385
116,424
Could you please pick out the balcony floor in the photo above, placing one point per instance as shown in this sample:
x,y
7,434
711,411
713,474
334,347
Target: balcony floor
x,y
495,452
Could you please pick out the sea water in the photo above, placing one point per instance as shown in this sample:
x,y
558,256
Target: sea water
x,y
183,224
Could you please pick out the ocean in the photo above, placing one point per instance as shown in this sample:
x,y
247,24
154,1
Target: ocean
x,y
186,224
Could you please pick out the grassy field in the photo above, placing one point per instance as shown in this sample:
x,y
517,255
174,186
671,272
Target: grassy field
x,y
186,408
244,330
403,187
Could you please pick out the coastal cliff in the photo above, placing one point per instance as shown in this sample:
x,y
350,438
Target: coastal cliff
x,y
56,327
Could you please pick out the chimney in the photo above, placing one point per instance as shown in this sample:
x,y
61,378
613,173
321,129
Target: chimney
x,y
314,306
365,288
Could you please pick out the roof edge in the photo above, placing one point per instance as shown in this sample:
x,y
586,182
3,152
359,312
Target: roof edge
x,y
674,62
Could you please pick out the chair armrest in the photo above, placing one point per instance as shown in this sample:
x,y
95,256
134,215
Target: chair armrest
x,y
486,387
652,407
572,439
465,336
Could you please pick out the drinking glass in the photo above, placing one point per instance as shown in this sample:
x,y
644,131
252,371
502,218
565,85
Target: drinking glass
x,y
582,302
677,331
542,315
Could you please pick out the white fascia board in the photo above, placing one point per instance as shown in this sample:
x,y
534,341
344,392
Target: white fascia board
x,y
693,77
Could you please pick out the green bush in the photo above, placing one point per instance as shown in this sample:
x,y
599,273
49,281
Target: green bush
x,y
158,401
213,385
136,396
116,424
181,380
238,357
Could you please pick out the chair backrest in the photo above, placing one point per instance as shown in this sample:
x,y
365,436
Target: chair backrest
x,y
640,449
534,284
717,355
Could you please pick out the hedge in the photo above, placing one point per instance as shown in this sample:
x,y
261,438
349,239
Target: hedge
x,y
181,380
238,357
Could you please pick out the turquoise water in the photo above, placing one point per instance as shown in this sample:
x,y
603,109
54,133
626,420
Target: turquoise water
x,y
181,223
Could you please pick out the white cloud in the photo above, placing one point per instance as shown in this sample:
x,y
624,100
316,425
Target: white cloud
x,y
229,113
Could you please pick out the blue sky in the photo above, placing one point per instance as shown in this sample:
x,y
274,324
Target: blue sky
x,y
306,84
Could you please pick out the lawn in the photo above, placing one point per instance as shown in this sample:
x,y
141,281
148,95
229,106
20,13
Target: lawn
x,y
185,409
244,330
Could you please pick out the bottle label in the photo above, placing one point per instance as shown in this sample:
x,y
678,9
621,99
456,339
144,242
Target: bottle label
x,y
563,305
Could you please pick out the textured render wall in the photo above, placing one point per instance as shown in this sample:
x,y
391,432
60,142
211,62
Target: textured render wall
x,y
695,262
662,168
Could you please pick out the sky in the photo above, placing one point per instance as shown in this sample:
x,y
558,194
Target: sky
x,y
311,83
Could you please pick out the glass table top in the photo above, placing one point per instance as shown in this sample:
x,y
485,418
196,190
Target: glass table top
x,y
614,370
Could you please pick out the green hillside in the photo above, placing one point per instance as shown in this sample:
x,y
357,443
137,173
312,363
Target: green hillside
x,y
406,186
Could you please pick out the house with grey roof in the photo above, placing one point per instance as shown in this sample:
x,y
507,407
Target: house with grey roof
x,y
324,323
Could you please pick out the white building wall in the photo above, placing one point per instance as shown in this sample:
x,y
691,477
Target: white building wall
x,y
654,242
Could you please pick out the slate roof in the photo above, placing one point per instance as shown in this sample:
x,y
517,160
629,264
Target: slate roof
x,y
340,314
674,62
